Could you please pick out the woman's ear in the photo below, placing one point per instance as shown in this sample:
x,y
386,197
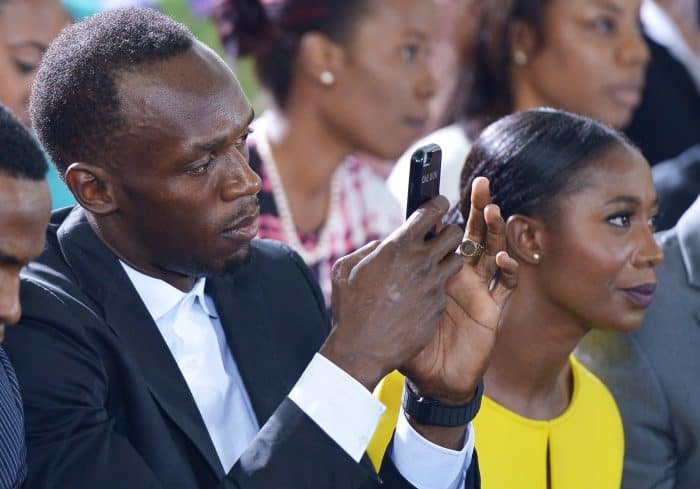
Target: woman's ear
x,y
320,59
524,238
92,187
523,43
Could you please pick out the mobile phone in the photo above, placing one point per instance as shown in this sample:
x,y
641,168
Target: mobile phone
x,y
424,178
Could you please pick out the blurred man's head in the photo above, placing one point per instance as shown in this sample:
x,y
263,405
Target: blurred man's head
x,y
148,125
25,206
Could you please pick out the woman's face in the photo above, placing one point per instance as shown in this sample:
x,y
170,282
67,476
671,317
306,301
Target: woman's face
x,y
27,27
591,60
379,102
598,253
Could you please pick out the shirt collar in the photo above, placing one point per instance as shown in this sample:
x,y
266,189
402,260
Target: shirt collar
x,y
160,297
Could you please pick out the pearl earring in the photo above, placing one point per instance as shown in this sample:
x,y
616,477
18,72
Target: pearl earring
x,y
536,257
327,78
520,57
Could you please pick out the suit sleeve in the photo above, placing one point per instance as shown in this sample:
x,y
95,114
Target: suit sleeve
x,y
74,442
620,362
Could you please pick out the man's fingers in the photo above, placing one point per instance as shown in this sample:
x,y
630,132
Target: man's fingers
x,y
344,265
507,278
428,215
444,243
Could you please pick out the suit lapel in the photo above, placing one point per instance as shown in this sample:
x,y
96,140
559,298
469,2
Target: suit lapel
x,y
240,303
101,277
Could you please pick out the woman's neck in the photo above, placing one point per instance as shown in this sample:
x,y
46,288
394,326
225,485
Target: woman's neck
x,y
529,372
307,153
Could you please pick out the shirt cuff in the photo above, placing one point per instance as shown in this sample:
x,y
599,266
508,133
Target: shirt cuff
x,y
338,404
427,465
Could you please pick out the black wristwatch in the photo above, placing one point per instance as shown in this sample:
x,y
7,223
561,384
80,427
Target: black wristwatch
x,y
432,412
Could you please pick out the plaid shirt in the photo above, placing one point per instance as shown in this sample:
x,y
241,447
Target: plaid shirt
x,y
366,212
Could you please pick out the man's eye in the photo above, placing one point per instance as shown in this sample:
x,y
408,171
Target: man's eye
x,y
620,220
241,141
202,169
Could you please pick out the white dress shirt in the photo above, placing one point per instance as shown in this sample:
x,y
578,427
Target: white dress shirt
x,y
334,400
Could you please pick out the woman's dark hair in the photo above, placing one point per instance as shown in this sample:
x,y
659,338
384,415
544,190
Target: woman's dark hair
x,y
491,96
271,32
531,158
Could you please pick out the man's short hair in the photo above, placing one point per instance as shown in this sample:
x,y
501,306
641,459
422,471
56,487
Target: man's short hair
x,y
20,155
75,107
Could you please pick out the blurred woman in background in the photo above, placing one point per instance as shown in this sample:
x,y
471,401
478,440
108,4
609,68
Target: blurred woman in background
x,y
345,77
27,27
584,56
579,203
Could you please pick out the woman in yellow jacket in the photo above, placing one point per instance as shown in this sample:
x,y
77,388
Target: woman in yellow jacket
x,y
579,204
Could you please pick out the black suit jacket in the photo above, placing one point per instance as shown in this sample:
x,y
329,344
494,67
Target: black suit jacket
x,y
106,405
668,120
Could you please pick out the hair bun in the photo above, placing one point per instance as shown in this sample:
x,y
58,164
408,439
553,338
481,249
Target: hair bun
x,y
244,25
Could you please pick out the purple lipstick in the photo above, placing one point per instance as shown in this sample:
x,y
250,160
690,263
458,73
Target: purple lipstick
x,y
642,295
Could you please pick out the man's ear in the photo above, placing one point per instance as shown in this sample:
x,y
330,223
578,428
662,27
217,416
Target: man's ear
x,y
92,187
524,236
321,59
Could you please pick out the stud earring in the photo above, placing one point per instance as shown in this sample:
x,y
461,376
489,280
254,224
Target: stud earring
x,y
520,57
327,78
536,257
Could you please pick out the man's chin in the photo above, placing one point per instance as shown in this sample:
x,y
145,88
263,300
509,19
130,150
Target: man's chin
x,y
241,260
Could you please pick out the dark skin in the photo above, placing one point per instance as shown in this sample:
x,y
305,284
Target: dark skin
x,y
25,207
377,104
590,61
27,27
183,178
598,245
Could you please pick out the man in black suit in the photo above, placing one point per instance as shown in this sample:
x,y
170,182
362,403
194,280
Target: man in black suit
x,y
162,347
25,204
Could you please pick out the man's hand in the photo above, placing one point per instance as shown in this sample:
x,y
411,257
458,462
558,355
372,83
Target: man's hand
x,y
389,297
451,365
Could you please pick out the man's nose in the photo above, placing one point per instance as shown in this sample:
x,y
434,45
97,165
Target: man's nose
x,y
242,182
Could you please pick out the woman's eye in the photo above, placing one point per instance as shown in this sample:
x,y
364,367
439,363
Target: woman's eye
x,y
409,52
604,25
620,220
653,223
24,68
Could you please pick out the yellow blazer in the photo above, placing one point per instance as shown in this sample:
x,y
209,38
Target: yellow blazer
x,y
583,447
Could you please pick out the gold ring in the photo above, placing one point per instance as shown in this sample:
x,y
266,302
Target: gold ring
x,y
470,248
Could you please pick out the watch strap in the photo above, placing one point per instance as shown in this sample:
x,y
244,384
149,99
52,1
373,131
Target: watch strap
x,y
428,411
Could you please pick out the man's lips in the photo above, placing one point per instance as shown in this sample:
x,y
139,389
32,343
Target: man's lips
x,y
244,228
641,295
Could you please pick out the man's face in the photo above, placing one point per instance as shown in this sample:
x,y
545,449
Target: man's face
x,y
25,207
186,196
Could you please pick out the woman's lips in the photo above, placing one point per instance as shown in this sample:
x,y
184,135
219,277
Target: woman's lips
x,y
642,295
628,94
